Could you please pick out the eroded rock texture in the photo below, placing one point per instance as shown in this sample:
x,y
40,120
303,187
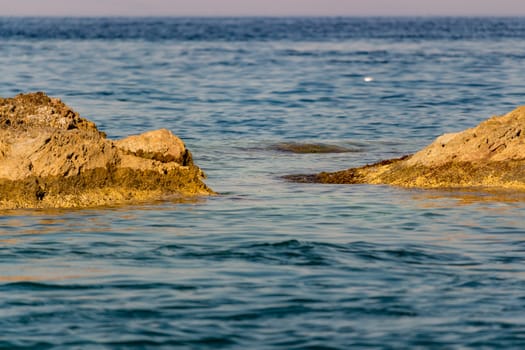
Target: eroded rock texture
x,y
50,157
490,155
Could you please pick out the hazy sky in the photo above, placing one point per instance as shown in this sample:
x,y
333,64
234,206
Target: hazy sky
x,y
260,7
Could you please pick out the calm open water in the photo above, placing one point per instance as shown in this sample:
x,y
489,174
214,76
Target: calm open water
x,y
270,264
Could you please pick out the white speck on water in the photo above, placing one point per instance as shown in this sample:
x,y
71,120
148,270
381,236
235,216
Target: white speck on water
x,y
368,79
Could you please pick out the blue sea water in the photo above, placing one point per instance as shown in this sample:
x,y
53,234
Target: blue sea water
x,y
270,264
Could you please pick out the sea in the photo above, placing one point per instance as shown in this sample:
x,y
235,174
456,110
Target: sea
x,y
268,263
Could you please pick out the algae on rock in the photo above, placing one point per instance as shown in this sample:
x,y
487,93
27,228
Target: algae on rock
x,y
50,157
491,155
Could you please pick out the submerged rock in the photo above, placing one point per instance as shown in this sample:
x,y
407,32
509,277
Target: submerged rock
x,y
50,157
305,148
489,155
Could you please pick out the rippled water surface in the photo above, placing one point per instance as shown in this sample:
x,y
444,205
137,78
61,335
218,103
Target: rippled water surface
x,y
270,264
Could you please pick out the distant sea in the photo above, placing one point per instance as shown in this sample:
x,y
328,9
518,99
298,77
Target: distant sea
x,y
270,264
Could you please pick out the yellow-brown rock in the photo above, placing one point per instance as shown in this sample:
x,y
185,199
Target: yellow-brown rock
x,y
491,155
50,157
160,145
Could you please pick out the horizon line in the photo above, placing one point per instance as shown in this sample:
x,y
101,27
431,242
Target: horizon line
x,y
265,16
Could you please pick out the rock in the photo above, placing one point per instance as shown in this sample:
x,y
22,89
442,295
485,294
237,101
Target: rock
x,y
50,157
160,145
306,148
491,155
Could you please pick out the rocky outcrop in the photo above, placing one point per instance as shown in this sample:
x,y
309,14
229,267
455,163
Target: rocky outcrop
x,y
50,157
489,155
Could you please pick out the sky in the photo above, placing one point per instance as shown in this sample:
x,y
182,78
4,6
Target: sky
x,y
262,7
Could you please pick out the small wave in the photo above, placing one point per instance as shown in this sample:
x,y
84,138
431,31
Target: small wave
x,y
25,345
289,252
137,285
307,253
34,285
412,255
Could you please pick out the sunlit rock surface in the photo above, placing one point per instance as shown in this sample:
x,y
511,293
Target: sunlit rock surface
x,y
490,155
50,157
